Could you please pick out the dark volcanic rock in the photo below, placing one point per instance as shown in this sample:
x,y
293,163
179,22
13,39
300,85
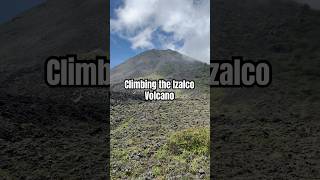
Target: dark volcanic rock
x,y
267,133
47,133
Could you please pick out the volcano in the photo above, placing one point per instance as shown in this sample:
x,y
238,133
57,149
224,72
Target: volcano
x,y
164,63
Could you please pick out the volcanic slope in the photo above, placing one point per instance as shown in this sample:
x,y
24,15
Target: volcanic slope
x,y
263,133
160,139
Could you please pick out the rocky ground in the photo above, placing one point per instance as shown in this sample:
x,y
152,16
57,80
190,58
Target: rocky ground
x,y
266,133
160,139
273,132
145,136
54,138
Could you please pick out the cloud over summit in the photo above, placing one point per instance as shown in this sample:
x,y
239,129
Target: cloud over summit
x,y
182,25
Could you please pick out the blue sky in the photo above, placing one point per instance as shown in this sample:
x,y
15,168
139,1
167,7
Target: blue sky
x,y
119,48
12,8
140,25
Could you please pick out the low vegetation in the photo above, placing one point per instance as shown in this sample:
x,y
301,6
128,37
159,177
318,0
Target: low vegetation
x,y
185,151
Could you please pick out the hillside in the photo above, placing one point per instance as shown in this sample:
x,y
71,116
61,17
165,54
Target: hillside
x,y
160,64
168,64
52,132
160,139
56,27
259,133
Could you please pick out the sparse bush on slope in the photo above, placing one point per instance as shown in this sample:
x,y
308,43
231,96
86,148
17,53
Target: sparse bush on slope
x,y
194,140
186,152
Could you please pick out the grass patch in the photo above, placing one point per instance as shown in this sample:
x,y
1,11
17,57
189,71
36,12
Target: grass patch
x,y
193,140
157,170
186,151
123,126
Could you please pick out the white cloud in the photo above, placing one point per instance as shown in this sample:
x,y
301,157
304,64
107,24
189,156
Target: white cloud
x,y
182,25
142,40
